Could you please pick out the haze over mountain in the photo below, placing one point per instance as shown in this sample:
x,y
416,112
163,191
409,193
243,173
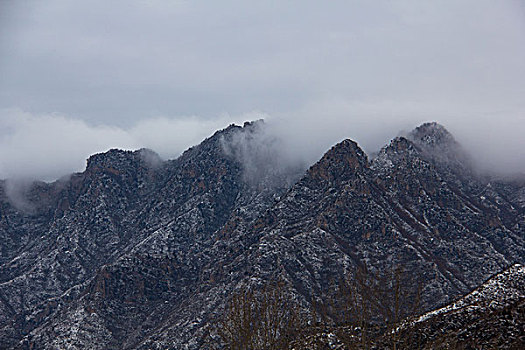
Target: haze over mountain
x,y
51,146
339,172
140,253
83,77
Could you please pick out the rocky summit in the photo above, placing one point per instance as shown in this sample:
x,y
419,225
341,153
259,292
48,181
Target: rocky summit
x,y
140,253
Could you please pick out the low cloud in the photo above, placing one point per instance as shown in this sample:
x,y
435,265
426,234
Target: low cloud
x,y
494,139
321,72
266,159
49,146
17,192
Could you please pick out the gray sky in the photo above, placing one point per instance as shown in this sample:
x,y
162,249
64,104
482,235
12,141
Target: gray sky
x,y
78,77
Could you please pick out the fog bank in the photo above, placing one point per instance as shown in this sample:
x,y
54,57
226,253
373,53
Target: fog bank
x,y
79,77
47,147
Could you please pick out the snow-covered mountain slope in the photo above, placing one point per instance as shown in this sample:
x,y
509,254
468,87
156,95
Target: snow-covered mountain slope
x,y
490,317
139,253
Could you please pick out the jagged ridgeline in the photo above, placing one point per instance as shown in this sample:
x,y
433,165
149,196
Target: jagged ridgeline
x,y
140,253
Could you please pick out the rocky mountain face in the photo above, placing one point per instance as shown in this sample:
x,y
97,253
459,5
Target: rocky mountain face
x,y
490,317
140,253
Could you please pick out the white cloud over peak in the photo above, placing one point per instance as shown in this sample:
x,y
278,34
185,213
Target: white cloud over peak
x,y
128,74
50,146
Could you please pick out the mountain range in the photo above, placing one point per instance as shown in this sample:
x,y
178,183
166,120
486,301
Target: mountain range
x,y
140,253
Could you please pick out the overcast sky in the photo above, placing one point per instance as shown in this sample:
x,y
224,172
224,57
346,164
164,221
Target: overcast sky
x,y
78,77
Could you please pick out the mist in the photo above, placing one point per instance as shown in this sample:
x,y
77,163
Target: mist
x,y
47,147
494,139
81,77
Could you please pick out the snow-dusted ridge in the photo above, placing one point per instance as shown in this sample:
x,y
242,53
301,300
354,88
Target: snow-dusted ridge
x,y
140,255
497,292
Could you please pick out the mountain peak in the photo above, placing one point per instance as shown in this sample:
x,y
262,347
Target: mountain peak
x,y
438,144
431,134
400,144
341,160
121,159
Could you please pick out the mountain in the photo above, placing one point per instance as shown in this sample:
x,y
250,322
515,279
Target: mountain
x,y
490,317
140,253
127,209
